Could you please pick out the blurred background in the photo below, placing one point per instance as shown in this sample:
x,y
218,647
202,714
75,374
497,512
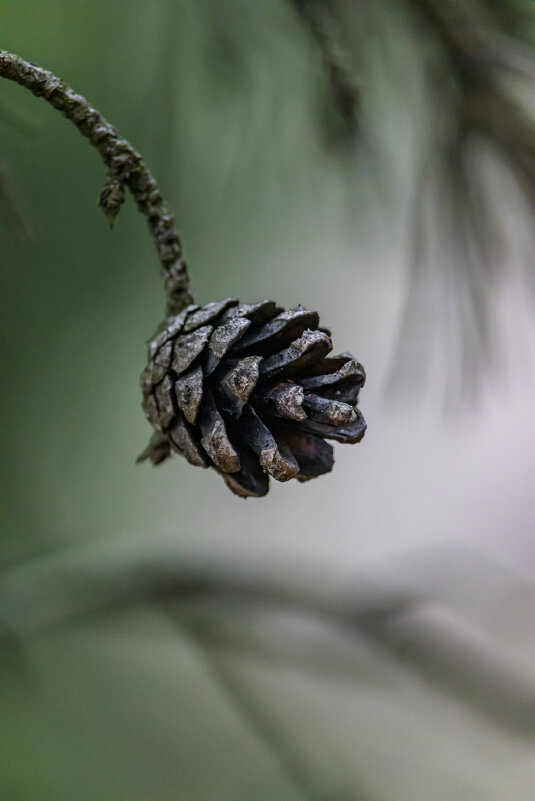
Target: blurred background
x,y
364,637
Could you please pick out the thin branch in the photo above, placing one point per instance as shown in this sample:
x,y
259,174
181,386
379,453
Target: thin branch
x,y
418,630
258,719
242,692
322,650
125,168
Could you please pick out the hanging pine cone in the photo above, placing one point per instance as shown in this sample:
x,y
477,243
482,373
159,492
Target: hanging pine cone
x,y
249,390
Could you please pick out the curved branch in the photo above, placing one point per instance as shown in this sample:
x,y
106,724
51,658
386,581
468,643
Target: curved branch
x,y
404,622
125,168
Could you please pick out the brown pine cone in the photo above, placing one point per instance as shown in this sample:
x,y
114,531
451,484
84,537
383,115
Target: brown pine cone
x,y
248,390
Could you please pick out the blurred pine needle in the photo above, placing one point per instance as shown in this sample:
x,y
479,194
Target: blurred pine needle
x,y
10,206
479,65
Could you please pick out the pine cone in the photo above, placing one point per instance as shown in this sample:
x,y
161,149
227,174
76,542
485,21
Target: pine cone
x,y
249,390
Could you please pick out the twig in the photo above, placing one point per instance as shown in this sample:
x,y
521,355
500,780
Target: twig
x,y
439,646
125,167
259,633
247,700
224,662
257,718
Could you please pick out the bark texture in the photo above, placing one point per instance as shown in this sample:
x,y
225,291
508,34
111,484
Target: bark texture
x,y
126,168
